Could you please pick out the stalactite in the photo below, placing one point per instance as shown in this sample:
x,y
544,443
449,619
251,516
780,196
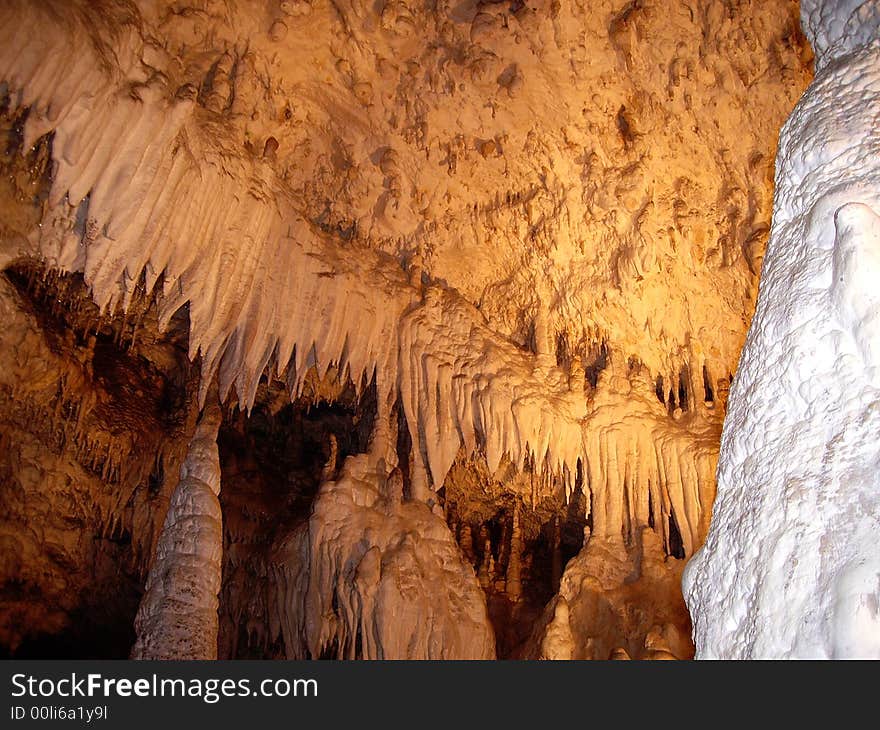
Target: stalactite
x,y
460,383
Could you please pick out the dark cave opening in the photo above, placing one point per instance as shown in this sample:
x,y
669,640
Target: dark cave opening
x,y
596,361
100,626
480,513
271,464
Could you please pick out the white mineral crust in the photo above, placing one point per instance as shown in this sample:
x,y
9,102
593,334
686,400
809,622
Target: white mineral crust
x,y
791,566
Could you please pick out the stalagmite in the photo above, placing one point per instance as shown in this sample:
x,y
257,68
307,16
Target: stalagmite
x,y
556,565
373,578
466,540
513,586
486,572
177,618
790,566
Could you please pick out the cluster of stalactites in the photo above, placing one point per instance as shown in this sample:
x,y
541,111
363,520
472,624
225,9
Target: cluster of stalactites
x,y
463,387
143,195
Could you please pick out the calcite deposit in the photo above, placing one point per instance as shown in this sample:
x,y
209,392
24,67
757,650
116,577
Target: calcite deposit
x,y
790,567
469,282
177,618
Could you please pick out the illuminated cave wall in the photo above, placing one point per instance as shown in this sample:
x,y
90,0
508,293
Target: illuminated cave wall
x,y
466,284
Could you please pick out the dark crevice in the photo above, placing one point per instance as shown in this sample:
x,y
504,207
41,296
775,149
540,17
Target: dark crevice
x,y
403,448
676,544
709,392
658,389
597,362
683,389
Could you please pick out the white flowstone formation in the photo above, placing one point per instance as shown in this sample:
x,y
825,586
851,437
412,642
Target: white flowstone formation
x,y
790,567
177,618
369,577
616,599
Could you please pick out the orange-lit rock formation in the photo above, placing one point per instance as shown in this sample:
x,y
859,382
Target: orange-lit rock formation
x,y
505,254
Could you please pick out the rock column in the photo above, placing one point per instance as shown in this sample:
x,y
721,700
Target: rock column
x,y
177,618
790,566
